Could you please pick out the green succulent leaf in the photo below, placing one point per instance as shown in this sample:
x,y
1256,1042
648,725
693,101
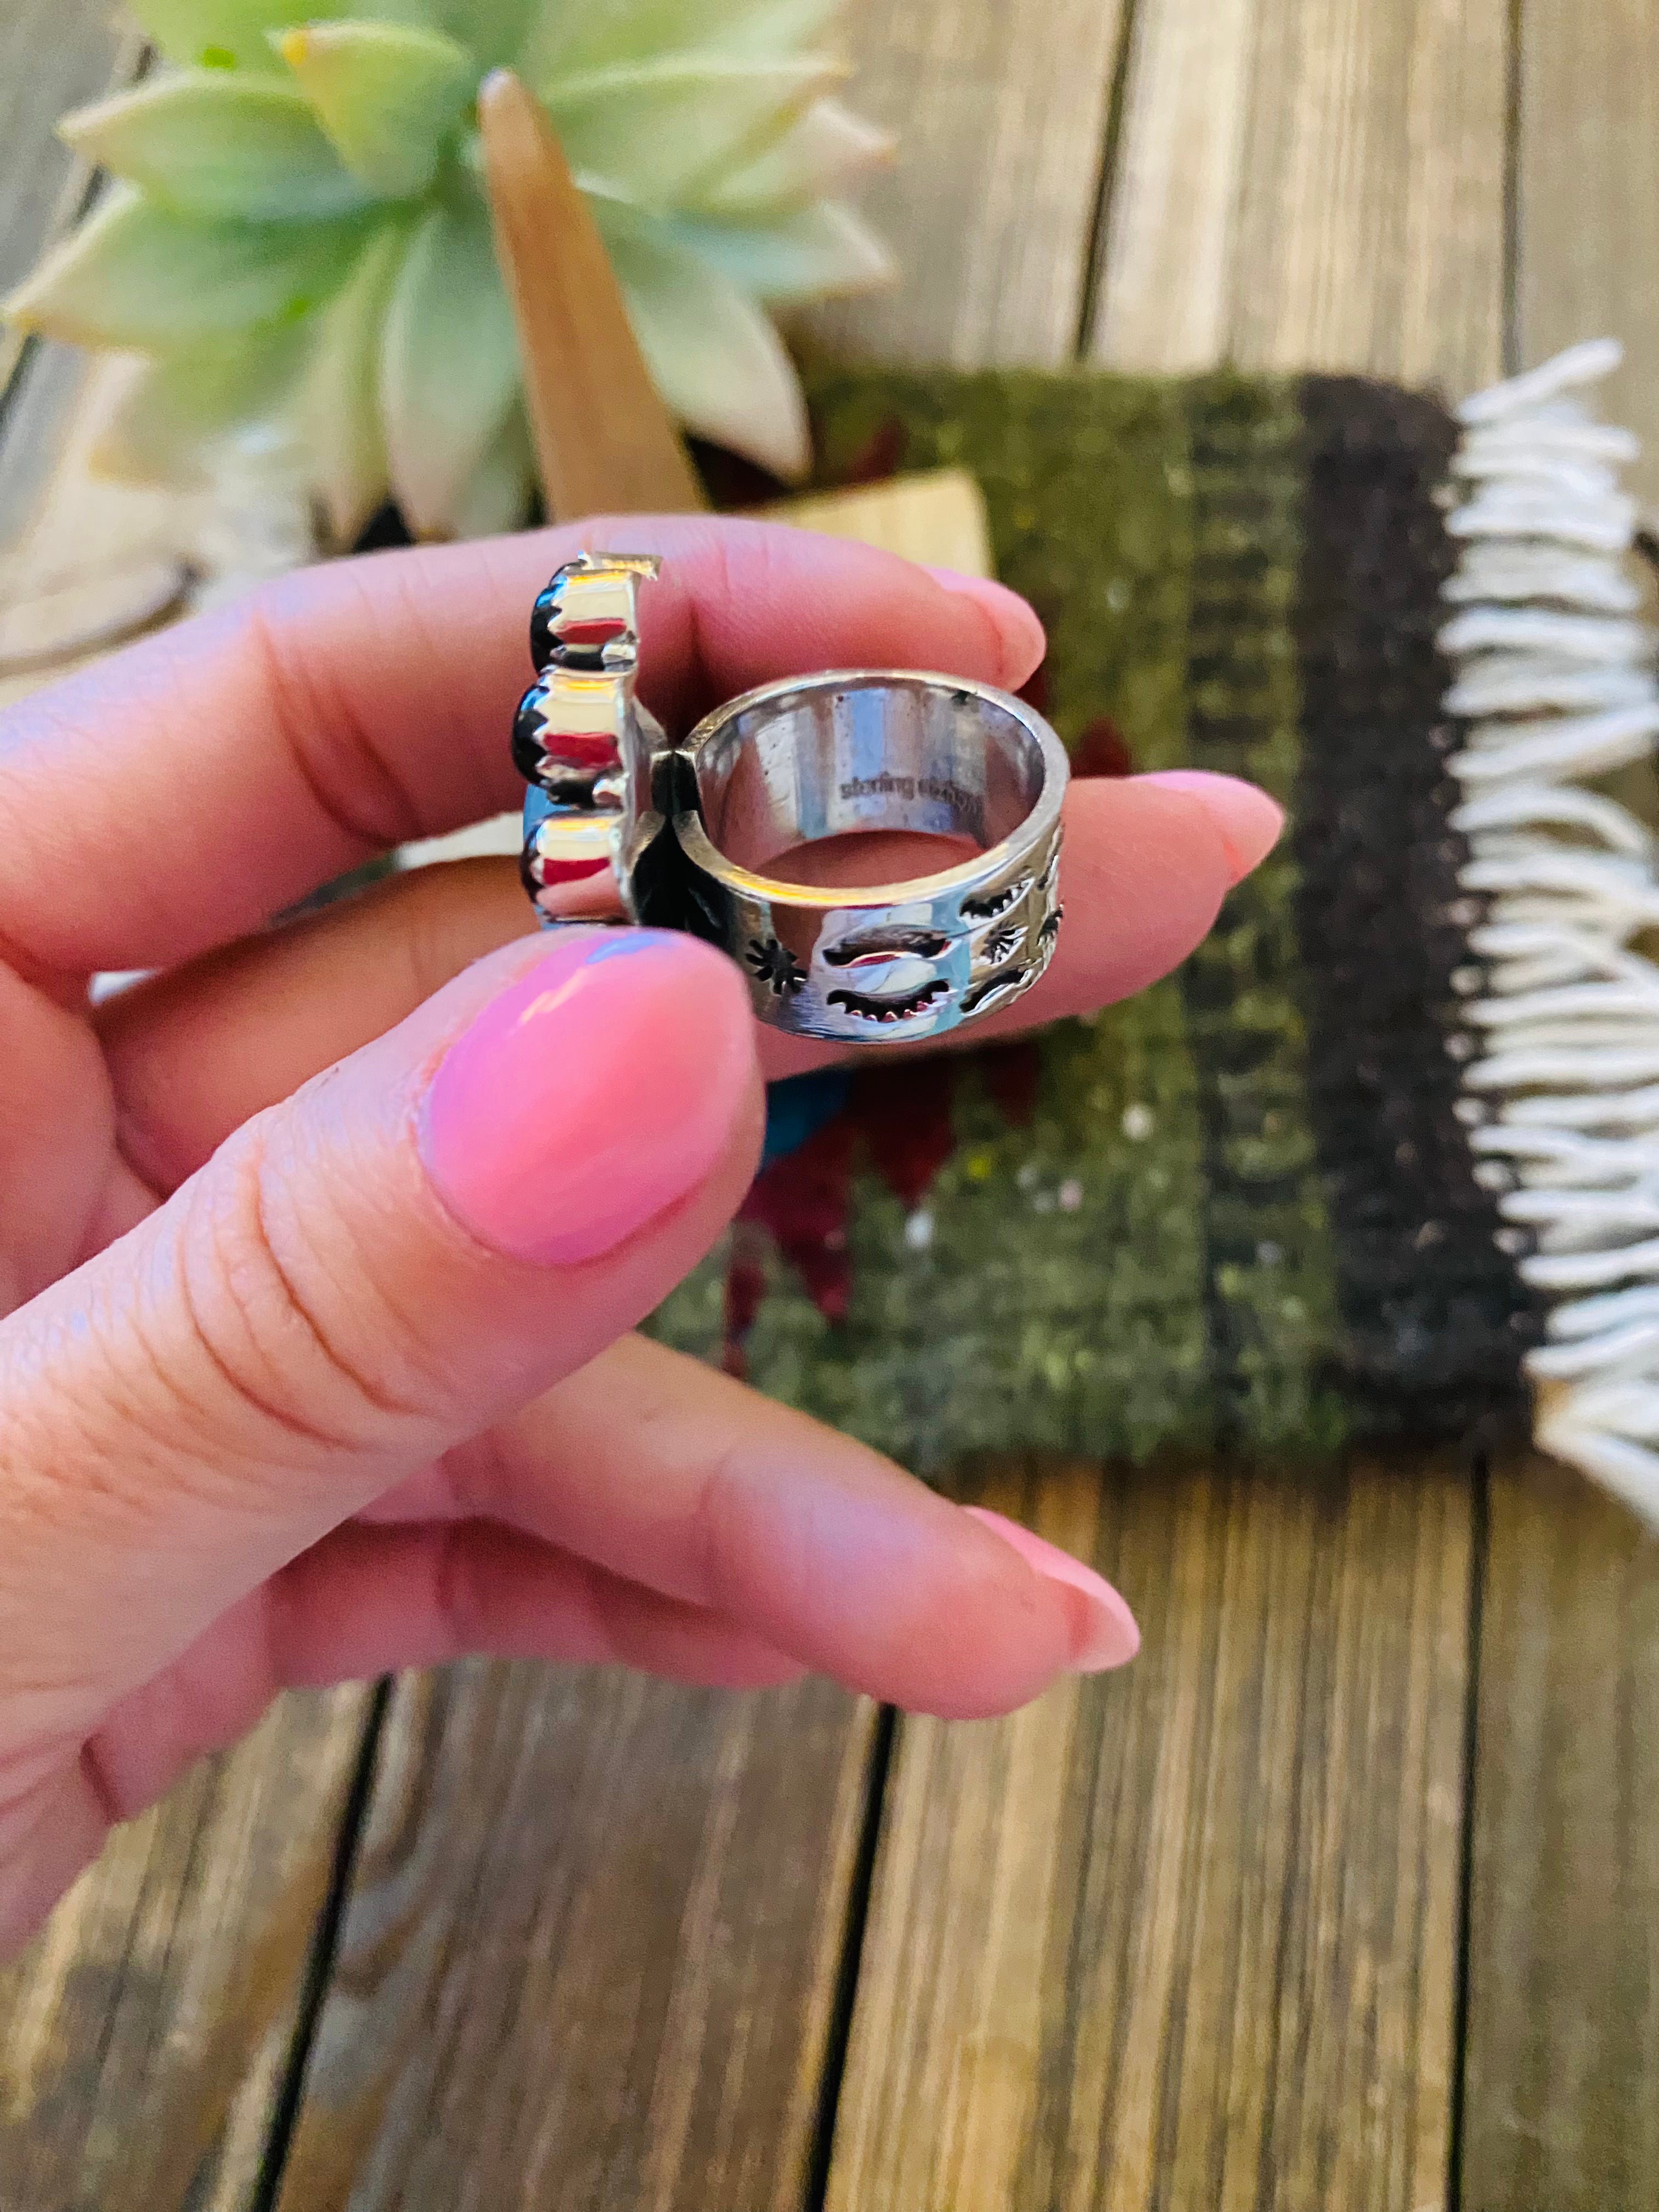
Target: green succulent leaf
x,y
808,255
338,414
138,275
662,131
176,406
566,38
387,94
493,31
498,497
711,352
217,35
212,143
449,366
822,152
298,241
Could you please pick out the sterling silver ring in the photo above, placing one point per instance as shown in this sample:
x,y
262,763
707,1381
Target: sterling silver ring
x,y
689,828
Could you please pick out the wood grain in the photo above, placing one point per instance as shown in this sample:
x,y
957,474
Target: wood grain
x,y
54,54
1000,112
1311,183
52,57
1186,1935
1562,2056
1587,194
143,2034
589,1954
603,440
1563,2047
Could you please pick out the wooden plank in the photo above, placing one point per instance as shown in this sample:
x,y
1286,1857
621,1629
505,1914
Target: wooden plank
x,y
1561,2107
1311,183
1191,1935
145,2032
52,58
53,55
1587,198
590,1951
1188,1934
1001,114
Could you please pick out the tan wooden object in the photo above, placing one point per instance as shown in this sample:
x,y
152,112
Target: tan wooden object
x,y
603,438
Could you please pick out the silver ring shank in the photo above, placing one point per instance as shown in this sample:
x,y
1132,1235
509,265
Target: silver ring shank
x,y
870,749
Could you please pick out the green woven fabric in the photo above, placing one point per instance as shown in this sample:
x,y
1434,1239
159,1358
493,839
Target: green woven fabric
x,y
1143,1261
1240,1211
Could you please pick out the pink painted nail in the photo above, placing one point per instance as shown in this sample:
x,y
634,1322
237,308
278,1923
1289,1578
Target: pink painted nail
x,y
1021,634
1112,1637
1249,821
594,1092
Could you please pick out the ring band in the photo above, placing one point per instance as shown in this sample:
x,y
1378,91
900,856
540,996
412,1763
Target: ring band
x,y
689,828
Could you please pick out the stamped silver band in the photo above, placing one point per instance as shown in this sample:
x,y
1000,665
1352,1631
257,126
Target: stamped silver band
x,y
692,828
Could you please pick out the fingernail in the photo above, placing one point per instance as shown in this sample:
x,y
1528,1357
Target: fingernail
x,y
1112,1637
1249,821
1020,632
591,1095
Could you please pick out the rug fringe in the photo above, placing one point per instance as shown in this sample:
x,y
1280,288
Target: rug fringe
x,y
1554,684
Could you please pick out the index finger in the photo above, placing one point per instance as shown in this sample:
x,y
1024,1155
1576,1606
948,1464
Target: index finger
x,y
177,795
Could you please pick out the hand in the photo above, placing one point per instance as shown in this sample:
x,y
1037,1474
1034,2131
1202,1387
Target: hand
x,y
320,1249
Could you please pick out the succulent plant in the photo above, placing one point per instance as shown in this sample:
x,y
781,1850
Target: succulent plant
x,y
297,239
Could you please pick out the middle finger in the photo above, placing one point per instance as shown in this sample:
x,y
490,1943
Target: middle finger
x,y
194,1052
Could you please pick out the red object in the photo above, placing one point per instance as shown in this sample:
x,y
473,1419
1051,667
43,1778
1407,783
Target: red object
x,y
1102,749
1035,689
903,1115
881,455
802,1200
577,748
599,632
568,871
1011,1074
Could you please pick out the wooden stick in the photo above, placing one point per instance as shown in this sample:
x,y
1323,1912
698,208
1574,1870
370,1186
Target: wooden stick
x,y
603,438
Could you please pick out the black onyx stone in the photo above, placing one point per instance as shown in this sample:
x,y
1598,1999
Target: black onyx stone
x,y
528,725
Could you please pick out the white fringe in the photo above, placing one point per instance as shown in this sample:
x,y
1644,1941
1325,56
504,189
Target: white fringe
x,y
1556,684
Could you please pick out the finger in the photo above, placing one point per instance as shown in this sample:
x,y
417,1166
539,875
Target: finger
x,y
360,1603
179,793
197,1052
664,1473
368,1601
416,1244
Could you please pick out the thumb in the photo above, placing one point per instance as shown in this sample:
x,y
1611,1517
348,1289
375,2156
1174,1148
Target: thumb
x,y
421,1239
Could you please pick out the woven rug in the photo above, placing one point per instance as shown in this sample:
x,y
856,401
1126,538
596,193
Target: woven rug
x,y
1371,1164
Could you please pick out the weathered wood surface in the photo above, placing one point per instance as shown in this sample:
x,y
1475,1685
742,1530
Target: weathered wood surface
x,y
53,55
1191,1937
1561,2108
591,1949
146,2034
1587,197
1000,108
1562,2093
1186,1935
1312,184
